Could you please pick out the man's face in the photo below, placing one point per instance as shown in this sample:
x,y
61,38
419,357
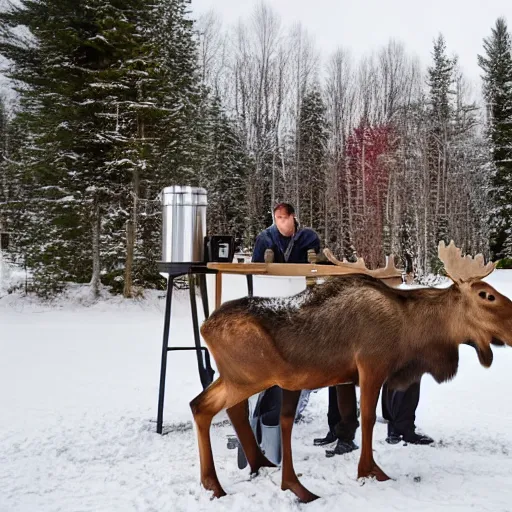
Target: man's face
x,y
285,223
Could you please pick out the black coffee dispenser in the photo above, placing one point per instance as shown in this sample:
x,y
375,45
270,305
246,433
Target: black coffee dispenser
x,y
219,248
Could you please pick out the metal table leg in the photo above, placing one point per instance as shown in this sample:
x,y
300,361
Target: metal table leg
x,y
250,285
163,368
204,294
205,373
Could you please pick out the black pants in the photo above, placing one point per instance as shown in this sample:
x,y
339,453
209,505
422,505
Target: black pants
x,y
398,407
270,406
342,412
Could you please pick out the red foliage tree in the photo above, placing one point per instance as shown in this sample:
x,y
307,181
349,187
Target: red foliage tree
x,y
369,152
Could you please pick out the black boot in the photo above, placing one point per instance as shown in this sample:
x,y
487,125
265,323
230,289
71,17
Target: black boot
x,y
342,447
393,436
409,436
413,437
328,439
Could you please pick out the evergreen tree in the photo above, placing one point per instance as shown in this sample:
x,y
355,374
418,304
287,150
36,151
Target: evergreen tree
x,y
158,129
110,98
13,202
130,88
181,132
185,98
224,175
497,67
61,151
3,156
440,81
312,162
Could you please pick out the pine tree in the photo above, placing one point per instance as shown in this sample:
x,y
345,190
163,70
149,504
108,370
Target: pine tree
x,y
497,78
224,176
4,137
177,48
110,99
54,69
159,131
312,162
130,88
14,201
440,80
4,166
176,138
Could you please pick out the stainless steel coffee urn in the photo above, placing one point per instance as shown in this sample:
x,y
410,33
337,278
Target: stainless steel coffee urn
x,y
183,224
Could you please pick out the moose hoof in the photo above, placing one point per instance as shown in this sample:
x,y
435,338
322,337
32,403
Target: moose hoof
x,y
373,472
300,491
215,487
218,493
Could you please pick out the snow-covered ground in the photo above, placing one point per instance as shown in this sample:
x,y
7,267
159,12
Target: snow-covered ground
x,y
78,397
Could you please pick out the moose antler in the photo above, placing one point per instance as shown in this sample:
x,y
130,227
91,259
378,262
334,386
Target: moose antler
x,y
359,266
462,269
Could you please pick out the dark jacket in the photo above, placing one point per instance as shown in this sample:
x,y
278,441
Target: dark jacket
x,y
271,238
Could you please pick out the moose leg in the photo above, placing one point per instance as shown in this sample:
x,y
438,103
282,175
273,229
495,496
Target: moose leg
x,y
370,387
204,407
239,416
289,478
219,395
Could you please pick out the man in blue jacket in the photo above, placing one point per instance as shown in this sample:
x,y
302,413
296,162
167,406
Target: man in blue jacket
x,y
290,243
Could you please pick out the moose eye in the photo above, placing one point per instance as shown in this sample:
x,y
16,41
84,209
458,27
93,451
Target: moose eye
x,y
491,297
483,295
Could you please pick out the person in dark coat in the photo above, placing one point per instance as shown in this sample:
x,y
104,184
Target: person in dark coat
x,y
398,408
289,243
286,238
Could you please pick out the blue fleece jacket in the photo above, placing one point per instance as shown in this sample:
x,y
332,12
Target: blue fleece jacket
x,y
271,238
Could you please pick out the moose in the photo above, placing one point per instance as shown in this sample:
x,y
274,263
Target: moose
x,y
349,329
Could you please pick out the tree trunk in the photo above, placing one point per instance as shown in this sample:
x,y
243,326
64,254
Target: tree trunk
x,y
96,266
131,224
131,230
128,271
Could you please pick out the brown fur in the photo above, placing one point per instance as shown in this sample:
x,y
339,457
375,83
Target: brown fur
x,y
349,329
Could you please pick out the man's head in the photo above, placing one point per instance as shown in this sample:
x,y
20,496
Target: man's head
x,y
284,218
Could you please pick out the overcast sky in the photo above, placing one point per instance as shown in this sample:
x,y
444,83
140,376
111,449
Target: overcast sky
x,y
363,25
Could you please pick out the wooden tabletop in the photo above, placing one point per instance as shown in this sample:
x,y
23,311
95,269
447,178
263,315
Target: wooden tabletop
x,y
391,276
293,269
241,268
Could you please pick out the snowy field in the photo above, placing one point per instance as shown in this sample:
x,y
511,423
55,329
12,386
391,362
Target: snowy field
x,y
78,397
